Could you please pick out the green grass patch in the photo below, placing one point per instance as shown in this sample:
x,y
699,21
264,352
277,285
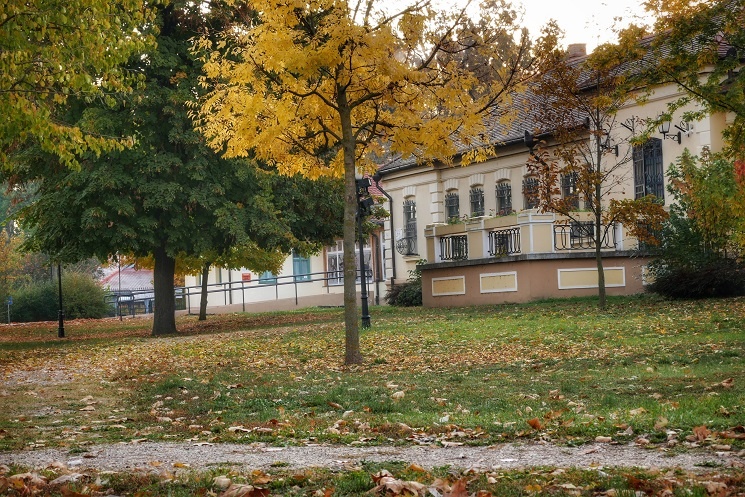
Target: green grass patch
x,y
556,370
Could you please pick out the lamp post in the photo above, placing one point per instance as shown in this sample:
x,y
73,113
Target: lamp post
x,y
364,203
119,293
61,313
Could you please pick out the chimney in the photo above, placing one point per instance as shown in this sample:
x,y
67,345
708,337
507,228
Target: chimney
x,y
576,50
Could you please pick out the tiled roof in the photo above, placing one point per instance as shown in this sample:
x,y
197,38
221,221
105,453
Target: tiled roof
x,y
131,279
527,105
498,134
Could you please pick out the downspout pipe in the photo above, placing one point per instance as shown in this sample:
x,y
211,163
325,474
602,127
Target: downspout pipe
x,y
376,178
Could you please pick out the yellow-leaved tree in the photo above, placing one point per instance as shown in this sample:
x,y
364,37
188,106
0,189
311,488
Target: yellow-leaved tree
x,y
328,87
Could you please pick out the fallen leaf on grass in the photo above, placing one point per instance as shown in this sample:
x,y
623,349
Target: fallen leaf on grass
x,y
603,439
701,432
335,405
240,490
380,475
459,489
715,488
660,424
222,482
535,423
66,492
389,485
260,478
728,383
398,395
637,411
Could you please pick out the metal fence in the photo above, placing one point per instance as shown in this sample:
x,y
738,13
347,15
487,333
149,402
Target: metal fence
x,y
241,289
138,301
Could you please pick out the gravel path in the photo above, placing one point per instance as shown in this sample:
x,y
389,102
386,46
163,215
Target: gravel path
x,y
154,455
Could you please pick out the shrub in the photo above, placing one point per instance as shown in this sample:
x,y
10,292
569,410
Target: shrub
x,y
82,297
699,255
408,294
718,278
35,302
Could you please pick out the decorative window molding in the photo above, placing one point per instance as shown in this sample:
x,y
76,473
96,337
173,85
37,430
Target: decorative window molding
x,y
451,184
476,180
503,174
409,191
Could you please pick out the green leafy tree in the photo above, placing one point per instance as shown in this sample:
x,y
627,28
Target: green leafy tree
x,y
167,196
54,50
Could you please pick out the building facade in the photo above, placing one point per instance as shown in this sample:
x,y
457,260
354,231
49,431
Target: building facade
x,y
484,240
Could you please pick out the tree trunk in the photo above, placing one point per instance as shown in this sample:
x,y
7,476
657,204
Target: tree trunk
x,y
598,211
601,274
164,317
203,297
352,353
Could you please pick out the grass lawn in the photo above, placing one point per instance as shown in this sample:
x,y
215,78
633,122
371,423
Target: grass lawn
x,y
646,370
557,370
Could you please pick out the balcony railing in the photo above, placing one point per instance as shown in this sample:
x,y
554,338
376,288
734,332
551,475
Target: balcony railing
x,y
454,248
526,233
406,246
581,236
504,242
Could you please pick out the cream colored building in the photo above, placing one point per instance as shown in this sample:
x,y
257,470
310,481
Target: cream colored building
x,y
483,241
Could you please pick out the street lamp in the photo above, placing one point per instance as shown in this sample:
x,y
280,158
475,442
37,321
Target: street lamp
x,y
364,204
61,313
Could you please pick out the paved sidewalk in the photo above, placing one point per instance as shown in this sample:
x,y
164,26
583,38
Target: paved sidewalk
x,y
200,455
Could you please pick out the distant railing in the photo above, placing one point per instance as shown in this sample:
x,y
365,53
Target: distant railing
x,y
504,242
141,301
240,289
454,248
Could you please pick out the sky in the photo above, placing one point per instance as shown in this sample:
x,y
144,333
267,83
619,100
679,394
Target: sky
x,y
584,21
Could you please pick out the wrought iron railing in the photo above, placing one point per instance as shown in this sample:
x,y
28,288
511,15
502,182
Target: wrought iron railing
x,y
406,246
504,242
580,235
454,248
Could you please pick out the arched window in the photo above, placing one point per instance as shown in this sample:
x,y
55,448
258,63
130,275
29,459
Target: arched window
x,y
530,192
504,198
406,245
477,200
569,188
452,206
